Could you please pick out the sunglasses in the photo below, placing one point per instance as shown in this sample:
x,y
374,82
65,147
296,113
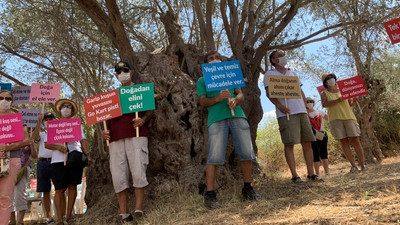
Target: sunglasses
x,y
310,101
9,99
119,70
67,106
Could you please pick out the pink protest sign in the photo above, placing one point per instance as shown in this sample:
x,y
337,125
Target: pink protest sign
x,y
45,92
393,30
65,130
352,87
11,129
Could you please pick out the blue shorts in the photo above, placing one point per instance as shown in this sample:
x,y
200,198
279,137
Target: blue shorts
x,y
44,174
218,133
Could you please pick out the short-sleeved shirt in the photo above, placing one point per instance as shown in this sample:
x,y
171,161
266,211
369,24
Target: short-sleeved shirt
x,y
341,110
219,111
295,105
44,152
122,127
72,146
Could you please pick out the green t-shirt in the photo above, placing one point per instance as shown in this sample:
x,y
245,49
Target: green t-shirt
x,y
221,110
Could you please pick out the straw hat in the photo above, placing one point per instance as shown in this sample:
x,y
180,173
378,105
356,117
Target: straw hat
x,y
309,99
60,102
325,75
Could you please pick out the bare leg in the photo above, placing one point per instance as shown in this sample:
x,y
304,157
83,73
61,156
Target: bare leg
x,y
139,196
325,164
47,203
122,201
347,151
12,218
316,167
20,216
71,199
355,141
309,157
289,155
247,168
59,201
211,172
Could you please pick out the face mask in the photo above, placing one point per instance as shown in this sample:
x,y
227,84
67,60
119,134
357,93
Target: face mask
x,y
215,61
5,105
310,105
331,82
124,77
66,112
282,61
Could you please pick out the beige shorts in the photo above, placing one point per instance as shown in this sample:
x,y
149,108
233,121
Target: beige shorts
x,y
344,128
129,154
296,130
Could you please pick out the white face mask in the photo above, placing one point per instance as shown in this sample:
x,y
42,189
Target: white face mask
x,y
5,105
282,61
310,105
331,82
66,112
124,77
215,61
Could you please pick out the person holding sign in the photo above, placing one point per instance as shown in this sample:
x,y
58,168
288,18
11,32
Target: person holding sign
x,y
294,125
66,176
128,152
319,146
220,123
11,150
342,121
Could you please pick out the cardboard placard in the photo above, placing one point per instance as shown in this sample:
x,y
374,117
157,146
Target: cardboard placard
x,y
65,130
223,75
21,94
352,87
45,92
5,86
284,87
11,129
137,98
102,107
393,30
30,116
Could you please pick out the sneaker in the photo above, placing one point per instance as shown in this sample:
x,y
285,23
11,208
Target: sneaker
x,y
210,200
249,194
138,214
70,220
296,180
353,169
315,178
47,221
364,168
126,220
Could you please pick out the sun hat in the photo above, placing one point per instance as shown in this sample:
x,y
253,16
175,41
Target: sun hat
x,y
60,102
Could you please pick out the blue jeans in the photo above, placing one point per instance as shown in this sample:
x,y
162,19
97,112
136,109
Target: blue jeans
x,y
218,133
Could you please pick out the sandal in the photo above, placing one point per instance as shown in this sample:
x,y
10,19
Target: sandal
x,y
315,178
296,180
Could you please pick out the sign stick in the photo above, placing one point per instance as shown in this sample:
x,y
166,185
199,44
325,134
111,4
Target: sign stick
x,y
359,107
65,156
137,128
232,111
42,107
105,129
287,114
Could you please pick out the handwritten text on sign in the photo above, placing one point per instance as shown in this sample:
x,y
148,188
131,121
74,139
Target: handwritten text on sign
x,y
21,94
284,87
66,130
11,129
45,92
137,98
102,107
223,75
352,87
30,116
393,30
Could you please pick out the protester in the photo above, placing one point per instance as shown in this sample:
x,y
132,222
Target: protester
x,y
320,145
128,152
342,121
20,203
220,123
11,150
295,129
70,175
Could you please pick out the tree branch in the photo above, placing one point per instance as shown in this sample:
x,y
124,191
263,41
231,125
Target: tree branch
x,y
6,75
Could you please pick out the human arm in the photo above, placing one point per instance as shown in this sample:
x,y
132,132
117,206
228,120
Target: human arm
x,y
275,101
207,102
353,102
85,150
237,100
56,147
35,134
325,103
142,120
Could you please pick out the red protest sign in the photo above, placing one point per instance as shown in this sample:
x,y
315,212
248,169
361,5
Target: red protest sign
x,y
393,30
352,87
102,107
321,89
33,184
65,130
11,129
45,92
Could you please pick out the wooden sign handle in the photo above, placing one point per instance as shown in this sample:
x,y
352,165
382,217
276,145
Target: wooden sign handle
x,y
287,114
65,156
137,128
105,129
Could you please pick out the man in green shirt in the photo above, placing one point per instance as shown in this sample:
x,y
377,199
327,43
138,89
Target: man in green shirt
x,y
221,121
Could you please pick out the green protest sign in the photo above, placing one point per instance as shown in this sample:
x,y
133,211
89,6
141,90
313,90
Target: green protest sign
x,y
137,98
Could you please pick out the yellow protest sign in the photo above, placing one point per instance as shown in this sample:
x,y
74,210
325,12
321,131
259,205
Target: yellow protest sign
x,y
283,86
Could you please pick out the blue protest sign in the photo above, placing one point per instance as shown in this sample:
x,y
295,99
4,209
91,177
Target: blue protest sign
x,y
223,75
5,86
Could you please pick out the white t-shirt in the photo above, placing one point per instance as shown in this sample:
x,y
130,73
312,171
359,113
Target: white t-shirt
x,y
316,113
71,146
44,152
295,105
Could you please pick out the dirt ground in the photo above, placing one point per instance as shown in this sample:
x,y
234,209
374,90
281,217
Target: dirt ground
x,y
368,197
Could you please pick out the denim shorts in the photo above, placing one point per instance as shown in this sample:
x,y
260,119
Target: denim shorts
x,y
218,133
